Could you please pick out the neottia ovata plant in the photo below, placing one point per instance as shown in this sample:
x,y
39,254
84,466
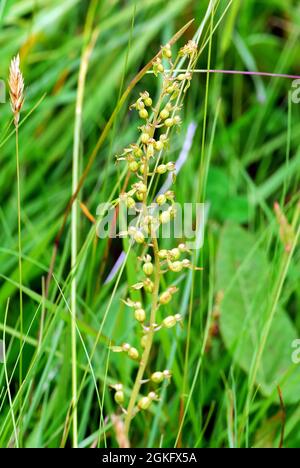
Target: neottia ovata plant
x,y
145,160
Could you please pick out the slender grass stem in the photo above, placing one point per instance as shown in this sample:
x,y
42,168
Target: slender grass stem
x,y
20,262
7,379
74,225
73,267
283,271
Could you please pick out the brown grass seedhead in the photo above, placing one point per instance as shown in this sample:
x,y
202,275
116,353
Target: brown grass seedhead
x,y
16,88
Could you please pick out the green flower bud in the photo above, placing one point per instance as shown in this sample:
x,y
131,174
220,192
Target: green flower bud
x,y
164,114
140,196
148,102
148,285
169,321
143,114
165,297
140,315
138,152
186,263
175,253
161,169
166,51
133,166
170,89
163,254
158,145
161,199
144,403
140,105
119,397
163,137
145,137
157,377
148,268
182,76
171,166
169,122
158,67
170,195
141,187
133,354
142,168
175,266
139,237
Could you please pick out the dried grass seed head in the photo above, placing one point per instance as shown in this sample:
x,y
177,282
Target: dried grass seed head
x,y
16,88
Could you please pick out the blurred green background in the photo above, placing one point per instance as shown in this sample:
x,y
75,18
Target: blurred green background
x,y
250,159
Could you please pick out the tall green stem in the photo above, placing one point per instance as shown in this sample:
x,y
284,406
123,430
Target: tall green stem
x,y
20,263
147,350
74,223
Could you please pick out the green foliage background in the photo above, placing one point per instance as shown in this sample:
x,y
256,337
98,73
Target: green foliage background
x,y
250,160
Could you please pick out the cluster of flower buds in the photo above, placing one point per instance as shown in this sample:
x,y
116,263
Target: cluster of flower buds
x,y
171,258
144,160
190,49
142,103
154,135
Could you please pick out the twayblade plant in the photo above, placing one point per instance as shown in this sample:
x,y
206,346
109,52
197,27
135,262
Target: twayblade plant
x,y
145,162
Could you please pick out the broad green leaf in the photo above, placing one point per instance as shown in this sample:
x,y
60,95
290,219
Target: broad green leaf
x,y
224,204
243,274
